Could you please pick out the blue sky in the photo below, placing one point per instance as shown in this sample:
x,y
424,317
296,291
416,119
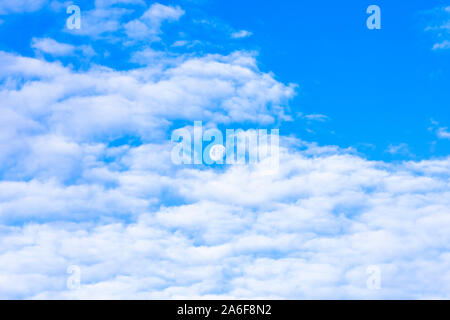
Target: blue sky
x,y
87,180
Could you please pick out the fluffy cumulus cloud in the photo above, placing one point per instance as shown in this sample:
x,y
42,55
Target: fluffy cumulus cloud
x,y
114,20
148,26
52,47
86,180
309,231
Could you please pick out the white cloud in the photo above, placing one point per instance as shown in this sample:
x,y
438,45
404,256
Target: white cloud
x,y
241,34
21,6
101,21
180,43
185,43
443,45
52,47
135,101
443,133
401,148
58,49
158,13
18,66
149,56
314,117
148,26
441,28
308,232
109,21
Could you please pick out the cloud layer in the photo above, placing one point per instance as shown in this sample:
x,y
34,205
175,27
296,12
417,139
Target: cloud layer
x,y
86,179
309,231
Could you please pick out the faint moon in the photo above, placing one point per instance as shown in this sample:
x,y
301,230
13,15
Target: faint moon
x,y
217,152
